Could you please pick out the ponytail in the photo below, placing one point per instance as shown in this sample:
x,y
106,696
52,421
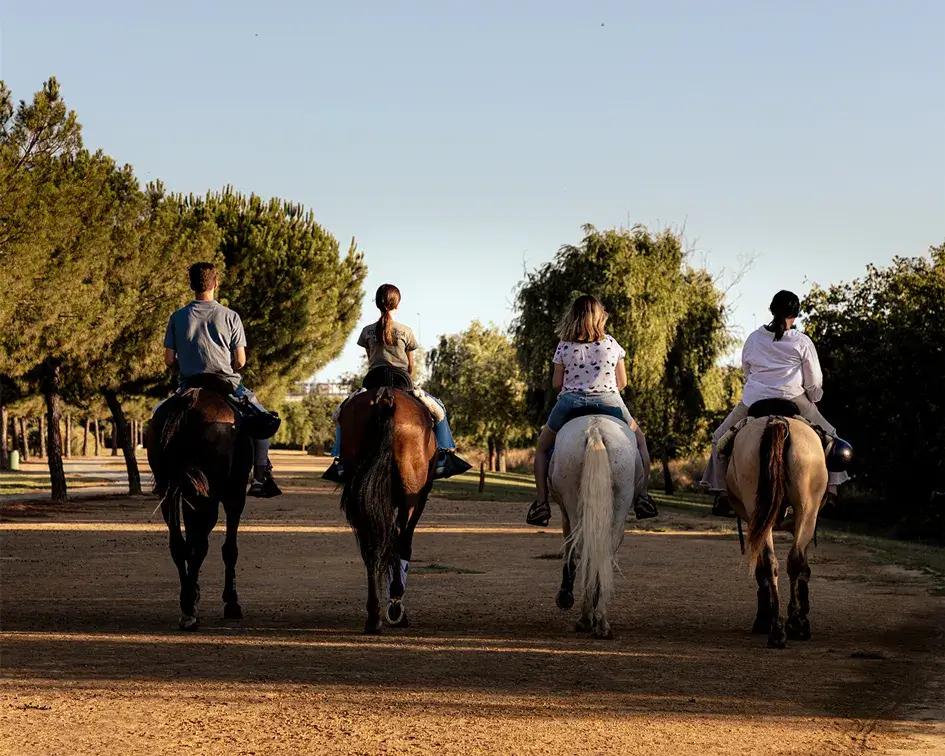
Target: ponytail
x,y
387,298
784,305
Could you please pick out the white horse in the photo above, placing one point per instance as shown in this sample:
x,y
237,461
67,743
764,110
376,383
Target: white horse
x,y
594,475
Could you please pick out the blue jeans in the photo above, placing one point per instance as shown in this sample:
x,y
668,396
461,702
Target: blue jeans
x,y
444,436
610,403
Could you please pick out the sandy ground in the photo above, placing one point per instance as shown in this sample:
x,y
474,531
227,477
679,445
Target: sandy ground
x,y
93,663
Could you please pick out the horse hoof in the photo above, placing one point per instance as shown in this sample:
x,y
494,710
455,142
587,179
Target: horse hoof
x,y
777,639
798,630
583,625
761,627
232,612
565,600
188,623
396,614
603,633
373,627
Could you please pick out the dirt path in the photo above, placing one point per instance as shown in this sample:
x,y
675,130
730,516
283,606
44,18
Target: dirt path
x,y
92,661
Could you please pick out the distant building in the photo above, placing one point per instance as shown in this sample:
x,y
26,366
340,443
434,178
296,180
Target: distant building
x,y
321,388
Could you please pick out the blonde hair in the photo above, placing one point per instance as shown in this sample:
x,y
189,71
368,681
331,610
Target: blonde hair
x,y
584,321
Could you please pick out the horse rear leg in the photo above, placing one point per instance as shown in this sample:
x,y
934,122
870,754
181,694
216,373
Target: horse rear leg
x,y
565,597
170,509
198,524
768,619
408,515
798,625
234,510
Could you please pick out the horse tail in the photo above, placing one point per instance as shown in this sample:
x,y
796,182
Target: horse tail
x,y
367,497
773,482
592,538
185,479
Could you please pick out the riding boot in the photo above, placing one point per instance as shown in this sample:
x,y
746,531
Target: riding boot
x,y
721,506
335,473
449,464
263,486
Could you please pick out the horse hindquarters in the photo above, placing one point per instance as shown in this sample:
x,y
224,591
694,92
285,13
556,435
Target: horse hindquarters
x,y
592,539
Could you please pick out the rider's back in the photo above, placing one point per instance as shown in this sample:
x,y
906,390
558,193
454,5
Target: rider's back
x,y
205,335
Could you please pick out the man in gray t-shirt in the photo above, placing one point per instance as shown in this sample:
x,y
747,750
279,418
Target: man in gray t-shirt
x,y
204,337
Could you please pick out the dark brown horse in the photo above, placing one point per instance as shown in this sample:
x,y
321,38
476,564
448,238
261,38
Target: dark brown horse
x,y
389,447
199,459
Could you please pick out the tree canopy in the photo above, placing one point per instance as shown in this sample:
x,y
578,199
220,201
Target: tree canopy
x,y
668,316
882,348
475,373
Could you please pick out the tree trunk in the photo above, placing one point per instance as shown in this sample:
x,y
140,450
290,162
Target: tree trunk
x,y
122,435
14,423
68,436
491,455
25,439
85,437
4,445
97,435
501,456
42,437
668,486
53,415
115,438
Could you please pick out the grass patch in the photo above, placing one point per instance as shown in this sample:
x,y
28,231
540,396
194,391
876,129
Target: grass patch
x,y
31,483
498,487
434,568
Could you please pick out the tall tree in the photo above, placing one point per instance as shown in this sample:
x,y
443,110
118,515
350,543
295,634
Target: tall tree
x,y
882,348
298,297
476,374
665,314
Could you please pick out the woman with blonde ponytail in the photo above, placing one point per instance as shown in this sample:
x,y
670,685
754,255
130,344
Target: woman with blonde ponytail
x,y
390,348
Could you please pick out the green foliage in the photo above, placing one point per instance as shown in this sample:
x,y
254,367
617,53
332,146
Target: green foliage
x,y
476,375
298,297
307,424
882,348
669,317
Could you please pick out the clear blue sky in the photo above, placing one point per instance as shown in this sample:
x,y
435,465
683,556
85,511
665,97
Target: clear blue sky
x,y
461,141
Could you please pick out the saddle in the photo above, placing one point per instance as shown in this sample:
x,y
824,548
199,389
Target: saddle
x,y
577,412
250,419
385,376
838,453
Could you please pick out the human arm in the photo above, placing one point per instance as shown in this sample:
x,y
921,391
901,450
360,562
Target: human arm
x,y
812,374
621,375
410,364
170,345
557,380
239,358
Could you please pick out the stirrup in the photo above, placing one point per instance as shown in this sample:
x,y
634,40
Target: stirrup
x,y
644,507
539,513
449,464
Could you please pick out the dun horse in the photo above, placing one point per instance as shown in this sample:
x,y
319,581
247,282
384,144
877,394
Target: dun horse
x,y
778,461
199,460
389,446
594,475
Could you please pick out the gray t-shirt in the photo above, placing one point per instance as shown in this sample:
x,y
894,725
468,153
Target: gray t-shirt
x,y
394,354
205,334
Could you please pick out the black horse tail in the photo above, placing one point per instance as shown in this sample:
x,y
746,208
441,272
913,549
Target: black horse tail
x,y
367,497
773,482
185,479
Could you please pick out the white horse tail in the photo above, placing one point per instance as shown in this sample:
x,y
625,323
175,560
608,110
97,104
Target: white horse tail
x,y
592,539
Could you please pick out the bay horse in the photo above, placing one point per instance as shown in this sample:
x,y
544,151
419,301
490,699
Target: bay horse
x,y
387,443
775,462
594,474
199,459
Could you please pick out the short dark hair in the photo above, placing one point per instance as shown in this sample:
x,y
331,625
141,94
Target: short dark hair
x,y
203,276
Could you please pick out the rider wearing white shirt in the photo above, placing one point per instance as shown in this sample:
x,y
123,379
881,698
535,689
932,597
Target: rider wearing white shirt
x,y
779,363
